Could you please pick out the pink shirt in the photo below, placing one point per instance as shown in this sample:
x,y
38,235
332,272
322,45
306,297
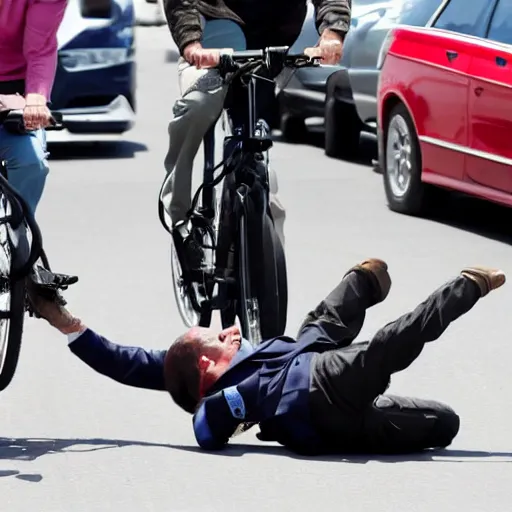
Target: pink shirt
x,y
28,42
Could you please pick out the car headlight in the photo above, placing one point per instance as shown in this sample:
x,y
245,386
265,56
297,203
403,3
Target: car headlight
x,y
94,58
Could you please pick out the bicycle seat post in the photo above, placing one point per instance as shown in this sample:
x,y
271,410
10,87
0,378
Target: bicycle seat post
x,y
209,165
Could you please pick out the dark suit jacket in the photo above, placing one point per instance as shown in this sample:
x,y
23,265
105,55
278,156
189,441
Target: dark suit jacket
x,y
270,386
133,366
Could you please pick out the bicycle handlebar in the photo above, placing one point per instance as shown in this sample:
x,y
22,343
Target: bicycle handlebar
x,y
274,58
13,121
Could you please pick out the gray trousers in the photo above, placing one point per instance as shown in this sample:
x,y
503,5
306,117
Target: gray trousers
x,y
201,103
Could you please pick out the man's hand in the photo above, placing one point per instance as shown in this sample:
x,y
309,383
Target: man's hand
x,y
329,48
199,57
36,114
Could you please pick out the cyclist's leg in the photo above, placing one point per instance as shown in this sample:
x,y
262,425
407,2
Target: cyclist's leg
x,y
201,103
27,165
276,206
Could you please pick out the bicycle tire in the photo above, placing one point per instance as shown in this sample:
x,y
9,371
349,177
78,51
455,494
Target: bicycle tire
x,y
273,302
267,273
189,315
12,305
12,347
226,235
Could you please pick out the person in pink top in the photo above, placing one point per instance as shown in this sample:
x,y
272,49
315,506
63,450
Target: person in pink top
x,y
28,61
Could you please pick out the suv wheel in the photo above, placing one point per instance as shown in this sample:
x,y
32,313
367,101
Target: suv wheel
x,y
293,128
342,129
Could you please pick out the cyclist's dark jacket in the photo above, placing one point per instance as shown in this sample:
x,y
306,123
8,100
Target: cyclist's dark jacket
x,y
264,22
270,386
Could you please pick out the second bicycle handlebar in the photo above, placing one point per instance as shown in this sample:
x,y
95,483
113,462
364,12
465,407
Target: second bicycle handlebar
x,y
12,120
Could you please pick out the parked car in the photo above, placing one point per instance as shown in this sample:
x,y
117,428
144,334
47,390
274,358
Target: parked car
x,y
302,92
445,106
94,86
351,102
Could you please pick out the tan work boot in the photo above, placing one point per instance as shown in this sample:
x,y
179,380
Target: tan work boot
x,y
487,279
378,271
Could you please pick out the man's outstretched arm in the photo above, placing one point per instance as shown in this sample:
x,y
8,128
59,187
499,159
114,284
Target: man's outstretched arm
x,y
132,366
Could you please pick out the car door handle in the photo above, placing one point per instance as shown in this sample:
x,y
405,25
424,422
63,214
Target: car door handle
x,y
500,61
479,91
451,55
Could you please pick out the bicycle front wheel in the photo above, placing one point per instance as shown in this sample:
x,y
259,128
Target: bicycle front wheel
x,y
12,312
262,277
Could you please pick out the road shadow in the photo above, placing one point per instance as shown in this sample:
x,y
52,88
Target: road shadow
x,y
476,216
28,449
94,150
445,455
31,449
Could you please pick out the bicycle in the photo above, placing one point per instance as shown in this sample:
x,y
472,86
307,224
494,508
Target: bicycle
x,y
21,249
245,273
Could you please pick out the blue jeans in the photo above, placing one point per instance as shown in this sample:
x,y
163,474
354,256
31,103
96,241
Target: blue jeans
x,y
218,34
27,165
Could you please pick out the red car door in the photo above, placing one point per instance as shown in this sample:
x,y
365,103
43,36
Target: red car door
x,y
436,92
445,138
489,161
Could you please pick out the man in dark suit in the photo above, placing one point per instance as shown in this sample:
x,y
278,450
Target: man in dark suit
x,y
320,393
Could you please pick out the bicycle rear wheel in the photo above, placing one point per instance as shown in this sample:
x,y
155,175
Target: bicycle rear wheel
x,y
191,291
182,292
12,307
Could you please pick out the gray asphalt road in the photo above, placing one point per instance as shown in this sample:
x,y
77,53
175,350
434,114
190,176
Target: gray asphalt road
x,y
75,441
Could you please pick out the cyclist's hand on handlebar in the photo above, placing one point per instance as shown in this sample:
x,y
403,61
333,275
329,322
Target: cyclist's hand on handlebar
x,y
329,48
201,57
36,114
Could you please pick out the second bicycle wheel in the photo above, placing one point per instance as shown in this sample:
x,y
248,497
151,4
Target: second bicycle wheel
x,y
12,305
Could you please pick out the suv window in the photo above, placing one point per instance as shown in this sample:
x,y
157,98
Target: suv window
x,y
465,16
417,12
501,24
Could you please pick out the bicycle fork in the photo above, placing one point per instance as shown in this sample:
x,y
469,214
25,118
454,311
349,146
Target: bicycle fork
x,y
249,303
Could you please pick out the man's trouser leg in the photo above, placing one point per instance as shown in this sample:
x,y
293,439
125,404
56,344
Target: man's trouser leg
x,y
346,382
398,424
399,343
198,108
341,314
276,207
27,164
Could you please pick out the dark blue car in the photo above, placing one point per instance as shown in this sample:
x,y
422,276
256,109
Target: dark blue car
x,y
95,84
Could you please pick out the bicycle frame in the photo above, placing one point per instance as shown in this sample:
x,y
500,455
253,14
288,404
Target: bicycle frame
x,y
249,135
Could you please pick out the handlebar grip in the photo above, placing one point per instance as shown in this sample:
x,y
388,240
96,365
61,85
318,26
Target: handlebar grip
x,y
246,55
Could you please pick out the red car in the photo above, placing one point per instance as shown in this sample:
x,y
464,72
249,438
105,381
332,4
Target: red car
x,y
445,106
